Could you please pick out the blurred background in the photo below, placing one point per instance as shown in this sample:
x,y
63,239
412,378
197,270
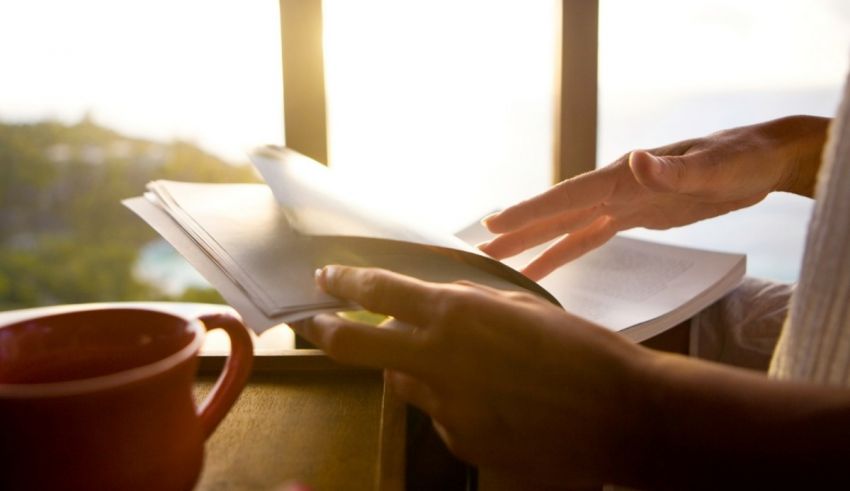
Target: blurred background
x,y
443,107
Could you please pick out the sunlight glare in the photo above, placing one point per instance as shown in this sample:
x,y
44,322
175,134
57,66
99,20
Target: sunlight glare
x,y
443,107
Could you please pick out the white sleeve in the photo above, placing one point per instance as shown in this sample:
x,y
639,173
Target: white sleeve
x,y
742,328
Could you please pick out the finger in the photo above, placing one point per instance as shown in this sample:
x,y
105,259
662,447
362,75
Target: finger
x,y
393,323
479,287
539,232
362,344
409,300
297,326
412,390
584,191
671,173
571,247
380,291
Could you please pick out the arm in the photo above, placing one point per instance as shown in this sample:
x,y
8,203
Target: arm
x,y
515,384
716,427
662,188
799,142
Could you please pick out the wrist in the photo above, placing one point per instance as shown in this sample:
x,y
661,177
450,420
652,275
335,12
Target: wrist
x,y
798,142
640,438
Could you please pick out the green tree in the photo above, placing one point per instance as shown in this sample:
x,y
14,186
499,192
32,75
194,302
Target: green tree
x,y
64,235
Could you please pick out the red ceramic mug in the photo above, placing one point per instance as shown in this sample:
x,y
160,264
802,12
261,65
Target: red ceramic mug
x,y
102,399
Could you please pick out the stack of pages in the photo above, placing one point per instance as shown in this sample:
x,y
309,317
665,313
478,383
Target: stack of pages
x,y
258,245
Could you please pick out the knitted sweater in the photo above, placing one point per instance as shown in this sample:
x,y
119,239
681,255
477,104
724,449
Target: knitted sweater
x,y
815,340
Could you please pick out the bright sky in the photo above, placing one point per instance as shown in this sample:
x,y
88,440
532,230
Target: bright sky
x,y
722,44
208,71
447,98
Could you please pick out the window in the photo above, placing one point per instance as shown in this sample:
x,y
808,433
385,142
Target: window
x,y
443,107
672,70
98,98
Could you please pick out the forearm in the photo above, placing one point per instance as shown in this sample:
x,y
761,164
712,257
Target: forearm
x,y
797,142
710,426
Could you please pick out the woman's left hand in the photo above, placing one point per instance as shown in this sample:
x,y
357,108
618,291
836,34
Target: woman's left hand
x,y
511,381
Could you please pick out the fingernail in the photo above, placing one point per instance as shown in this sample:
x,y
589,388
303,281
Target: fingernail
x,y
321,277
325,276
328,276
489,218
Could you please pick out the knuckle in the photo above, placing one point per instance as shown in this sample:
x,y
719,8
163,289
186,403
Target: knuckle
x,y
522,297
372,288
446,304
369,283
464,283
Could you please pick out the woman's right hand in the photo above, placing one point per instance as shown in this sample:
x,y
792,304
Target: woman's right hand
x,y
661,188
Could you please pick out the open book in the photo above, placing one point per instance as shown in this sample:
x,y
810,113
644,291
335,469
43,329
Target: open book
x,y
259,245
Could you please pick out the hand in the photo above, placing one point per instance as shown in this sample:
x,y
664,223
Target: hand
x,y
512,382
661,188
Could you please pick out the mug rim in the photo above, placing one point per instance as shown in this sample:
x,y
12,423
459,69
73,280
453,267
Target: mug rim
x,y
111,380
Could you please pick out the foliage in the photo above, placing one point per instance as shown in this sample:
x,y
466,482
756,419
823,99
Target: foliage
x,y
200,295
64,235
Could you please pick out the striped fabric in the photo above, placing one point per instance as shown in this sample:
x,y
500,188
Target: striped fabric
x,y
815,340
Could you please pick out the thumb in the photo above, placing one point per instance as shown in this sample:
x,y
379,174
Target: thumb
x,y
664,173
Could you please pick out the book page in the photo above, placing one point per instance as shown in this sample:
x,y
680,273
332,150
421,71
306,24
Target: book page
x,y
240,229
160,221
628,282
243,230
240,239
317,203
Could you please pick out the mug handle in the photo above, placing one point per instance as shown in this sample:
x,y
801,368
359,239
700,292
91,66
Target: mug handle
x,y
236,371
